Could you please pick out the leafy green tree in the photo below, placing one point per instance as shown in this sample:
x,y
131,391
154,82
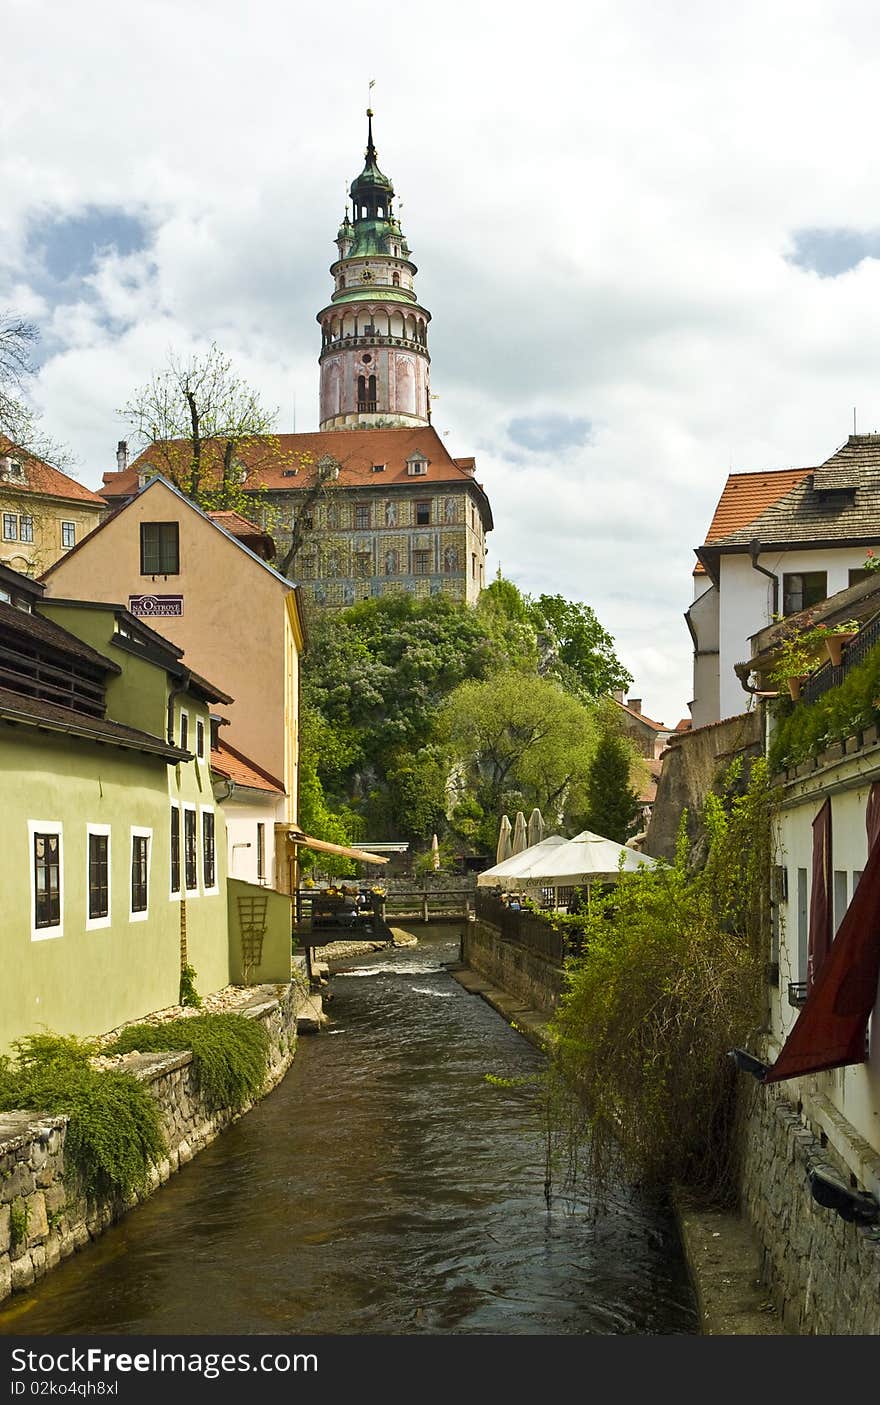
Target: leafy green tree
x,y
583,648
612,806
521,736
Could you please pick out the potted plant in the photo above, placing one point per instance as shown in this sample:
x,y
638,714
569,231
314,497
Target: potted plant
x,y
837,637
795,659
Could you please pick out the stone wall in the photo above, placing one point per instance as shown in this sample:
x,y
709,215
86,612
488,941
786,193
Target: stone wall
x,y
514,968
690,766
823,1273
42,1220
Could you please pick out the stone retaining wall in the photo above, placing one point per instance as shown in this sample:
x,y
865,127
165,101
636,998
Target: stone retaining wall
x,y
516,969
823,1272
42,1221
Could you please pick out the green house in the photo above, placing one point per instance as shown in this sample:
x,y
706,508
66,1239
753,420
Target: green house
x,y
112,846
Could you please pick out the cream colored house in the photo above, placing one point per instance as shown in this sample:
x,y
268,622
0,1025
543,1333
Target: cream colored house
x,y
43,512
233,615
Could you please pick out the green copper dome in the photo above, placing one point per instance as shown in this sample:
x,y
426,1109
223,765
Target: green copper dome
x,y
371,186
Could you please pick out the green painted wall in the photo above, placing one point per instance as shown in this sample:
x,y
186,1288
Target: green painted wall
x,y
189,783
246,909
86,982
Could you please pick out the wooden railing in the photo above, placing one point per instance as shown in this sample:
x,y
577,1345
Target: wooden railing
x,y
525,929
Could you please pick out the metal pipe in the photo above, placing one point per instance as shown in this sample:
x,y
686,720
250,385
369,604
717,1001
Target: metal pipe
x,y
754,553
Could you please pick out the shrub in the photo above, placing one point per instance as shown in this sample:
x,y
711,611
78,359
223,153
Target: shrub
x,y
230,1053
188,993
114,1133
804,729
670,978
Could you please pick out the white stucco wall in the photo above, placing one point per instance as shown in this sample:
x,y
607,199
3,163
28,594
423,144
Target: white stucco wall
x,y
241,838
746,604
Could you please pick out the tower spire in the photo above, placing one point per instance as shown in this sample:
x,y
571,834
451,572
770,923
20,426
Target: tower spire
x,y
370,152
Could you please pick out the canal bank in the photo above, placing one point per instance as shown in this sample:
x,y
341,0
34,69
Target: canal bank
x,y
721,1249
43,1220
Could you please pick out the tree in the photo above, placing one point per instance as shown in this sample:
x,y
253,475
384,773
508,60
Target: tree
x,y
19,423
583,648
612,806
197,417
521,738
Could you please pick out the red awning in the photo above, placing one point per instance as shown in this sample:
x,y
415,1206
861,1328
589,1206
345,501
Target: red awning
x,y
830,1030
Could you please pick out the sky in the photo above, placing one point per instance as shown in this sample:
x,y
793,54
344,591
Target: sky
x,y
649,237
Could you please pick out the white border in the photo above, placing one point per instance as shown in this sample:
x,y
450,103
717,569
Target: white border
x,y
189,892
67,522
42,934
215,888
94,923
175,897
184,745
139,831
200,755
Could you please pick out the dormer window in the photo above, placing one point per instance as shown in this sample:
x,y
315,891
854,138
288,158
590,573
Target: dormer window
x,y
378,467
416,465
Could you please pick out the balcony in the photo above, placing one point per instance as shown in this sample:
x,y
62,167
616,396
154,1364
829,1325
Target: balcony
x,y
367,407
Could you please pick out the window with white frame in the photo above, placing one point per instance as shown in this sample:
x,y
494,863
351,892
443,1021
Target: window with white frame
x,y
25,529
10,527
184,730
175,850
97,876
190,850
261,852
68,534
200,739
141,840
209,852
47,879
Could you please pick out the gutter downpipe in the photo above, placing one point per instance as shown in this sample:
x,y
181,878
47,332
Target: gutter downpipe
x,y
175,692
754,553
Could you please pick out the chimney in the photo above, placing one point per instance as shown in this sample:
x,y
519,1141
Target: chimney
x,y
121,456
635,704
617,695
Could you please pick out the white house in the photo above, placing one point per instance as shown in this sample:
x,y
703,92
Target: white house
x,y
778,543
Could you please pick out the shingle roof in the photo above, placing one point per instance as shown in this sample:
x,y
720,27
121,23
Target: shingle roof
x,y
269,461
821,505
232,765
18,707
747,495
35,626
41,477
640,717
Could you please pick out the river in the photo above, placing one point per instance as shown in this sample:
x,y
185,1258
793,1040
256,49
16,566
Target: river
x,y
384,1187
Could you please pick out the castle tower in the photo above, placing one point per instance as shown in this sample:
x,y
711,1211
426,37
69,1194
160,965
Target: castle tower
x,y
374,333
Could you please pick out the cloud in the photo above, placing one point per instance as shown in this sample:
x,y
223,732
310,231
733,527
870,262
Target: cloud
x,y
615,323
831,252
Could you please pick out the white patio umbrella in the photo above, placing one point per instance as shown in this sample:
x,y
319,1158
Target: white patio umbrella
x,y
520,840
435,852
536,827
518,866
503,849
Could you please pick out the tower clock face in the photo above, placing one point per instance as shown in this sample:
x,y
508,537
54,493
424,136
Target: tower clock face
x,y
367,276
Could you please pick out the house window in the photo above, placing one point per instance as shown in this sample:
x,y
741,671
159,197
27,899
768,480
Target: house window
x,y
47,879
802,589
68,534
421,563
802,925
307,568
840,896
99,873
363,564
184,730
175,850
423,514
395,280
378,468
362,515
190,848
10,527
200,739
209,855
474,564
160,549
140,872
261,852
26,529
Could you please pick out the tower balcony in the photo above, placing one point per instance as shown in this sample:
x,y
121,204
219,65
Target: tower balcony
x,y
346,343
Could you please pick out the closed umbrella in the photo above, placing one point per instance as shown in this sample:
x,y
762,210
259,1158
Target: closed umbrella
x,y
435,852
520,838
503,851
536,827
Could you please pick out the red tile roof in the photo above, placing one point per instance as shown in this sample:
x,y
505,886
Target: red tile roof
x,y
233,766
269,461
41,477
640,717
747,495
